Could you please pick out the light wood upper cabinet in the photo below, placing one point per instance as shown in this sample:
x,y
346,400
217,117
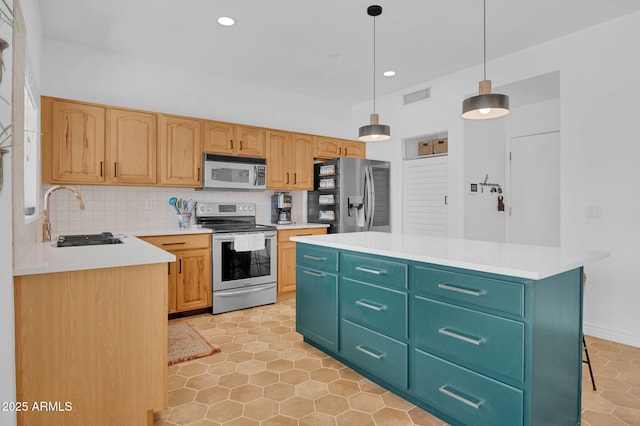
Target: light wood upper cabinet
x,y
289,160
328,148
303,161
179,151
233,139
73,142
250,141
132,142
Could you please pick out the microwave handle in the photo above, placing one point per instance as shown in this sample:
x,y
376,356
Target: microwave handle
x,y
255,175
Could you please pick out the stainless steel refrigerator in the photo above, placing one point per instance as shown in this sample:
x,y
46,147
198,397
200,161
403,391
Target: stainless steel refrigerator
x,y
351,195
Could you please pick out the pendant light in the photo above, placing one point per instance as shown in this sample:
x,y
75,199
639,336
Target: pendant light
x,y
374,131
486,104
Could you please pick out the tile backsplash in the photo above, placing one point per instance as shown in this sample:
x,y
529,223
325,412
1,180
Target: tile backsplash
x,y
130,209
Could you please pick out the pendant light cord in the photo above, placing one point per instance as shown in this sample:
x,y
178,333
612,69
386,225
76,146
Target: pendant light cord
x,y
374,64
484,35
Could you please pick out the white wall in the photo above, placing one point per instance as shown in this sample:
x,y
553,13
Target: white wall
x,y
82,73
599,88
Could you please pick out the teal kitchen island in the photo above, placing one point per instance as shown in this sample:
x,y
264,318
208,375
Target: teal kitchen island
x,y
475,332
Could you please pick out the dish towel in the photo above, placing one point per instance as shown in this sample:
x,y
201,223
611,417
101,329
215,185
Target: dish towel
x,y
248,242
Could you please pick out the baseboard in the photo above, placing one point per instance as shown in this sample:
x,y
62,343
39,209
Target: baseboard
x,y
612,335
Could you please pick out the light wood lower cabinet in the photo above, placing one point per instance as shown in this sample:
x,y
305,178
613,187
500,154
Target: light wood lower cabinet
x,y
92,346
287,256
189,277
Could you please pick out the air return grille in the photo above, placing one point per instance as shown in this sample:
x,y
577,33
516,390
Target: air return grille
x,y
418,96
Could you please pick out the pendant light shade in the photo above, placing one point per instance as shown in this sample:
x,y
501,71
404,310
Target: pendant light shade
x,y
486,104
374,131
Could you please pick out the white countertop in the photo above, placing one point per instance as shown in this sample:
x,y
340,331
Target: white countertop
x,y
302,225
44,258
517,260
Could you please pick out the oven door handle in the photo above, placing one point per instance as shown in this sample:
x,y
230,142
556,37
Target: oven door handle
x,y
228,240
235,293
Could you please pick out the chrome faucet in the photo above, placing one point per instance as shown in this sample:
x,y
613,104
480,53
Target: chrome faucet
x,y
46,225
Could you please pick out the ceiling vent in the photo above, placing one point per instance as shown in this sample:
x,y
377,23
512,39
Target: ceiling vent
x,y
418,96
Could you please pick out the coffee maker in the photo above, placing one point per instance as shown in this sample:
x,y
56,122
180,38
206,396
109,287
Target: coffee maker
x,y
281,208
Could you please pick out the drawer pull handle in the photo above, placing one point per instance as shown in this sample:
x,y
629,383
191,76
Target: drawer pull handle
x,y
313,274
370,306
371,270
174,244
450,333
319,259
451,394
368,352
462,290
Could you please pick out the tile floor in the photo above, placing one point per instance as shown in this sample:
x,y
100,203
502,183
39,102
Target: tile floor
x,y
266,375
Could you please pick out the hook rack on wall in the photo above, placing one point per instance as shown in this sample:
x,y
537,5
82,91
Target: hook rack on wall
x,y
495,187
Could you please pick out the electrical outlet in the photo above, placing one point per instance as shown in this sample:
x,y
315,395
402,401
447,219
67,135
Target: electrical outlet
x,y
593,212
148,204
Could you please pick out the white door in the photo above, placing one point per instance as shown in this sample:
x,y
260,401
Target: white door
x,y
535,190
425,196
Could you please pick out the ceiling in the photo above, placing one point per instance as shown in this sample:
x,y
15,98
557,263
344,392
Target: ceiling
x,y
321,49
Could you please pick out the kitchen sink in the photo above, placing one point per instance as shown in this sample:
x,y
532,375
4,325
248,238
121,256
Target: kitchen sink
x,y
87,240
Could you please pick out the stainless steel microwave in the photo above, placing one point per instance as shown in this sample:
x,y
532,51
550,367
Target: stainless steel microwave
x,y
229,173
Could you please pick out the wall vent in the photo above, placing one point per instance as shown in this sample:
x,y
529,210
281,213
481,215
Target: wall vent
x,y
417,96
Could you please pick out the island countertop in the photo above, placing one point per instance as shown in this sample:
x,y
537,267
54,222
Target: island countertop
x,y
516,260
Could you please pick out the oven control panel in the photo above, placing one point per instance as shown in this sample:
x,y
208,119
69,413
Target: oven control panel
x,y
207,209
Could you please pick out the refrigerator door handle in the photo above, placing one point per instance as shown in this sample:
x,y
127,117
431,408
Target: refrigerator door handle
x,y
372,197
370,192
365,203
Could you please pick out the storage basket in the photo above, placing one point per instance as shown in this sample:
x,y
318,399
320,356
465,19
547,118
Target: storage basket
x,y
441,146
425,148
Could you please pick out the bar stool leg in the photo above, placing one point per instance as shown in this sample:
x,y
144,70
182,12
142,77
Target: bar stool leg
x,y
588,362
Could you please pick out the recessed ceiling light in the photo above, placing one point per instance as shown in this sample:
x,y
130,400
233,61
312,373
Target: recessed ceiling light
x,y
226,21
389,73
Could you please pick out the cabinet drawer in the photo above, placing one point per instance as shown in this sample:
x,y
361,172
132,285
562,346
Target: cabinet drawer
x,y
496,295
380,308
374,270
316,257
379,354
472,338
180,242
470,398
317,298
285,234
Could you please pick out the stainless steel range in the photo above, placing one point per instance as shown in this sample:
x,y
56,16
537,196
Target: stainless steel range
x,y
244,255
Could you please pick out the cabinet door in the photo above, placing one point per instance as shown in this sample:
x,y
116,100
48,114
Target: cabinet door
x,y
302,162
354,149
328,148
193,284
286,266
132,146
250,141
180,151
172,272
317,293
278,151
77,143
218,137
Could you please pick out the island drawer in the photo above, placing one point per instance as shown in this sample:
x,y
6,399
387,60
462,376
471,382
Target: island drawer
x,y
475,339
179,242
316,257
470,290
375,270
381,355
469,397
381,308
